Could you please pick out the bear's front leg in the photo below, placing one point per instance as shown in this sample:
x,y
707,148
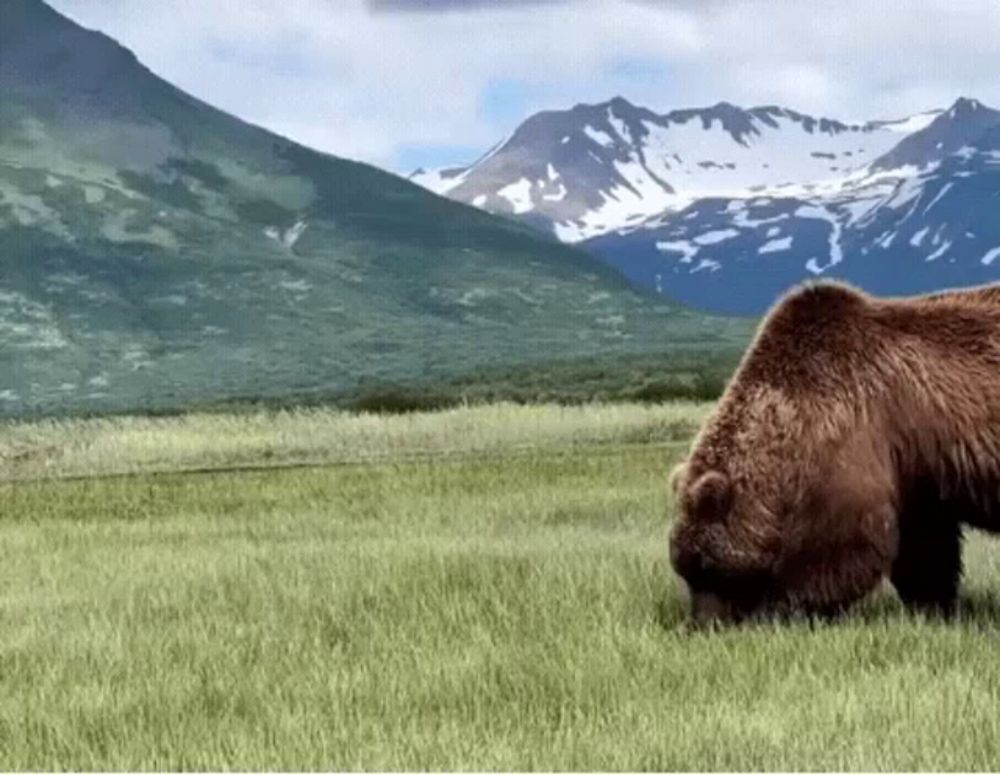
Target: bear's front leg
x,y
928,566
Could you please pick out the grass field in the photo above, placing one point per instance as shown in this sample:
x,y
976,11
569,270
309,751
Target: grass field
x,y
479,588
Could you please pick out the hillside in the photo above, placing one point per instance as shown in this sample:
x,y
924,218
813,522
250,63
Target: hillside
x,y
157,252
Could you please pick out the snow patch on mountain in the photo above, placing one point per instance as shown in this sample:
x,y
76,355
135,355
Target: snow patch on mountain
x,y
944,190
836,251
912,124
775,245
685,248
519,196
713,237
601,138
620,127
909,190
569,232
438,181
707,263
945,247
558,196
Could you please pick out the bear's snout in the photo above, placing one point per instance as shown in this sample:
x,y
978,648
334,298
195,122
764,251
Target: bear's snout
x,y
688,562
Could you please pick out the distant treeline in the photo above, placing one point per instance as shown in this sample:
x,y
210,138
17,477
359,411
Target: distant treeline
x,y
687,374
684,374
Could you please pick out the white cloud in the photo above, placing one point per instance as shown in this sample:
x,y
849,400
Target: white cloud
x,y
332,74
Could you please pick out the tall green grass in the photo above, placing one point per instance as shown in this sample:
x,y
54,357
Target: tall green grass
x,y
509,609
116,445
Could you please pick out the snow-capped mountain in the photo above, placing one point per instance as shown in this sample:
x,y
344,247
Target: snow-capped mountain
x,y
922,217
724,208
600,168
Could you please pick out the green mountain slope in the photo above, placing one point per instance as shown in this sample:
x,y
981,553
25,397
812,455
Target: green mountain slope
x,y
155,251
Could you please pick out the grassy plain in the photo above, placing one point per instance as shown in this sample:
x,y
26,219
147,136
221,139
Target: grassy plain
x,y
481,588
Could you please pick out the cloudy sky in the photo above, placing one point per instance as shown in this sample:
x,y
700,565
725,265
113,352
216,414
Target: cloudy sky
x,y
405,83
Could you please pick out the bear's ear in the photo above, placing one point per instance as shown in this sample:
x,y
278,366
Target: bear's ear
x,y
677,477
711,496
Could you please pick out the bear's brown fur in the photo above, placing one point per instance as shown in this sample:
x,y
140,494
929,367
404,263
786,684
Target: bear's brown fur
x,y
856,439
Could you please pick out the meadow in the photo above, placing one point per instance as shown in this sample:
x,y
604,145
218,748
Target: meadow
x,y
477,588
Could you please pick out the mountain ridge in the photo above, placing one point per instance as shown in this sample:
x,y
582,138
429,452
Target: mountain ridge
x,y
595,168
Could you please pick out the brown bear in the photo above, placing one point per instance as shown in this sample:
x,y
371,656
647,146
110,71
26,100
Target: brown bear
x,y
856,439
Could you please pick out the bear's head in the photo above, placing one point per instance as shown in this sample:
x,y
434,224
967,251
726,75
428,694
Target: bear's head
x,y
782,507
725,553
